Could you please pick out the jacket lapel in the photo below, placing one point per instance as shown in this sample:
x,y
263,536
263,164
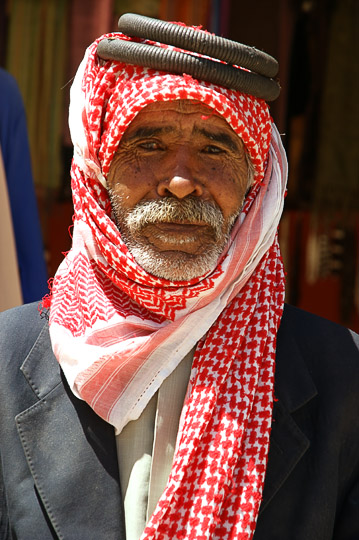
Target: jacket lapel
x,y
71,453
294,388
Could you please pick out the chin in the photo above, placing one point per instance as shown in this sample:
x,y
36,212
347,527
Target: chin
x,y
176,265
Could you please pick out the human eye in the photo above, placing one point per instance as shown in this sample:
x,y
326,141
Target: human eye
x,y
149,146
213,149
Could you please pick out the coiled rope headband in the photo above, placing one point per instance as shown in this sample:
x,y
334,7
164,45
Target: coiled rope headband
x,y
219,69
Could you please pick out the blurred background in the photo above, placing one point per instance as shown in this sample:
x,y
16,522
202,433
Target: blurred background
x,y
317,45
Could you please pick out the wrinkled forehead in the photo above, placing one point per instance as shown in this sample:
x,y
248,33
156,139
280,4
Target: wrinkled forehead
x,y
171,116
180,106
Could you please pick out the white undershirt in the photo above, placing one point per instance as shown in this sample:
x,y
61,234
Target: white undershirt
x,y
145,449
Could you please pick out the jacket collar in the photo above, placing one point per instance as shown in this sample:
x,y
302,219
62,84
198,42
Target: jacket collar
x,y
294,388
294,385
71,453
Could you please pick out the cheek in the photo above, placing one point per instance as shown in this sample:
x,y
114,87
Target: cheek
x,y
229,186
229,199
123,171
128,181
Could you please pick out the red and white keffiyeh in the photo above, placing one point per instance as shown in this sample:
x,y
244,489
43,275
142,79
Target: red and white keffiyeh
x,y
118,332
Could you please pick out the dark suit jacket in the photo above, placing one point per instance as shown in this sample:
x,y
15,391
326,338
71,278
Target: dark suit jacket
x,y
59,465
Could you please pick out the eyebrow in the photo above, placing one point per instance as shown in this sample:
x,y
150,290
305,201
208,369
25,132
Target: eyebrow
x,y
149,131
220,137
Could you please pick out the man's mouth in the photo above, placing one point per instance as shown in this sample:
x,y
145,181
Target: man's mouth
x,y
179,235
178,226
185,230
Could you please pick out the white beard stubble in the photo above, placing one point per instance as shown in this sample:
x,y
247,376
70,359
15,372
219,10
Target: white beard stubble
x,y
173,265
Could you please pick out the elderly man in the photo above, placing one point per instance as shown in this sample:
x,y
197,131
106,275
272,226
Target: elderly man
x,y
167,394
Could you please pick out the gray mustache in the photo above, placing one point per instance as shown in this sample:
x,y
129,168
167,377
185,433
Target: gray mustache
x,y
170,209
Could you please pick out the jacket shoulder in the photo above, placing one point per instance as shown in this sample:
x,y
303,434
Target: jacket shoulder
x,y
330,351
317,333
19,329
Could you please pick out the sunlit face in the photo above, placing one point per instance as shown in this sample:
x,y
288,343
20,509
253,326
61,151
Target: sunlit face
x,y
177,184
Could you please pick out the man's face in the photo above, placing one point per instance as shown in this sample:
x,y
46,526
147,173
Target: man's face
x,y
177,184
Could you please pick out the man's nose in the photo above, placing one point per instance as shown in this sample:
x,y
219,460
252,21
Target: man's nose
x,y
180,187
181,180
